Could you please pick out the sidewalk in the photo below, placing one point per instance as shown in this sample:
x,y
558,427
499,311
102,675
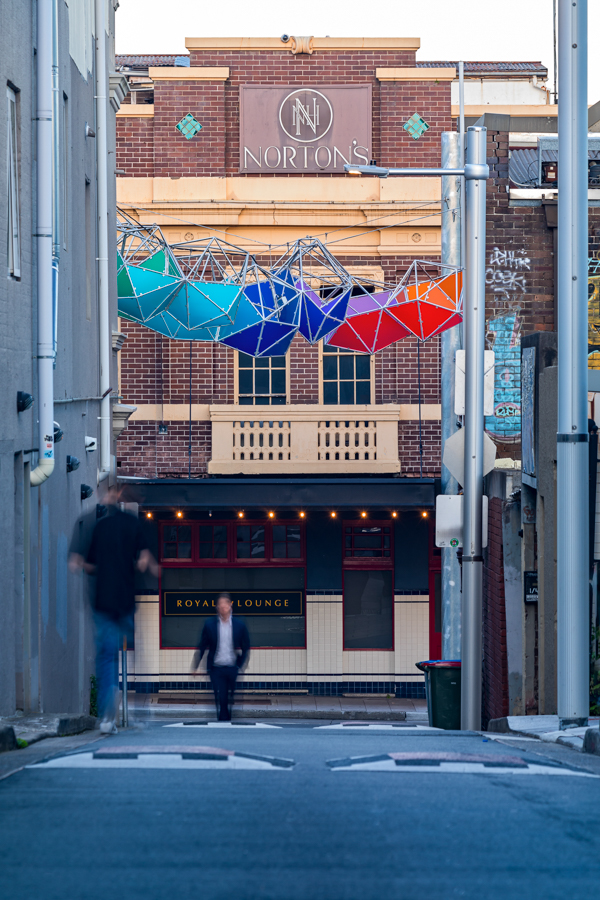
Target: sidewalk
x,y
189,704
545,728
34,728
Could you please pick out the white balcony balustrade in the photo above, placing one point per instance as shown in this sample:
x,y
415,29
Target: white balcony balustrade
x,y
251,440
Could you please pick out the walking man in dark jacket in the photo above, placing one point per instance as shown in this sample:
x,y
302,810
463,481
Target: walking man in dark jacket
x,y
118,547
228,643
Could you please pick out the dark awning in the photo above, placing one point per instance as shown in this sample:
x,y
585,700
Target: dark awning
x,y
306,493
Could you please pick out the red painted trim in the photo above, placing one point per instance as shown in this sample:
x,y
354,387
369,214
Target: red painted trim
x,y
368,562
232,562
435,568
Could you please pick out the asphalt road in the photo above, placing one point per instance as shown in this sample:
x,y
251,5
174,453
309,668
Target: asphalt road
x,y
454,816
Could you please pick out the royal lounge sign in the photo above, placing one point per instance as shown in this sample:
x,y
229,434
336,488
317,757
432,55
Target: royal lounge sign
x,y
304,130
247,603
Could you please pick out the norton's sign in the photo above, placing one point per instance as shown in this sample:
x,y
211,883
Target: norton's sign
x,y
248,603
287,129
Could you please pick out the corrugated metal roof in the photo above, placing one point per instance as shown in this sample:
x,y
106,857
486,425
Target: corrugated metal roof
x,y
490,68
145,60
142,61
523,164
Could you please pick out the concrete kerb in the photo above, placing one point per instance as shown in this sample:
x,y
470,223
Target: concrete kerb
x,y
591,741
545,728
8,739
34,728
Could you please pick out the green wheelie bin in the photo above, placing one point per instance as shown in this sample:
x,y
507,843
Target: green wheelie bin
x,y
442,687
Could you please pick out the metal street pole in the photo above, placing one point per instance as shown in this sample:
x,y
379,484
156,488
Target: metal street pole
x,y
572,601
476,172
461,130
124,679
451,341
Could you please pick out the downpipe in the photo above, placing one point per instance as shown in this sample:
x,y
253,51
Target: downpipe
x,y
56,180
43,235
104,339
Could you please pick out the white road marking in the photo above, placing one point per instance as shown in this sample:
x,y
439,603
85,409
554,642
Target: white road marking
x,y
447,768
154,761
509,737
375,726
220,725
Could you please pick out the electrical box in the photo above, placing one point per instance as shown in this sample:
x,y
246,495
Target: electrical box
x,y
488,383
449,521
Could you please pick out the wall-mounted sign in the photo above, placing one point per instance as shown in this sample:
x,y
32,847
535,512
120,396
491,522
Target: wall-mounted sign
x,y
307,129
530,580
247,603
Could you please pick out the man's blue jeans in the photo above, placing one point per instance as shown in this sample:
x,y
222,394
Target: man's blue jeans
x,y
109,640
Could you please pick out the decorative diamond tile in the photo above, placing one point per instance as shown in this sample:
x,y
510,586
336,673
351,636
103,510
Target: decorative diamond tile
x,y
189,127
416,126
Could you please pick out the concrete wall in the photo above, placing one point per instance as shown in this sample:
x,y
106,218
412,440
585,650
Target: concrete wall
x,y
46,644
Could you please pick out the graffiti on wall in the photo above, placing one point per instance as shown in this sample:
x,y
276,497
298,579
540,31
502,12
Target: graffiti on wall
x,y
506,277
504,337
593,313
505,274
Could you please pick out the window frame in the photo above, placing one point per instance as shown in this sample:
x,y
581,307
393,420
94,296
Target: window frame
x,y
322,380
13,261
367,649
236,384
366,562
232,560
183,560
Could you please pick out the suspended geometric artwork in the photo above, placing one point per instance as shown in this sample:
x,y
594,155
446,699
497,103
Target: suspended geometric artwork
x,y
156,276
370,324
324,284
213,276
268,318
191,287
429,299
209,290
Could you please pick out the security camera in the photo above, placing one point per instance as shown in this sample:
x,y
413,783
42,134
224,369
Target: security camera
x,y
72,463
285,38
24,401
91,444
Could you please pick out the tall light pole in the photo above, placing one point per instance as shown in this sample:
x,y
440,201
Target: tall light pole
x,y
451,341
474,341
476,173
572,439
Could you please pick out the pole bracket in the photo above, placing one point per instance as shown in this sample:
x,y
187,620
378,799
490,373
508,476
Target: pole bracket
x,y
572,438
476,171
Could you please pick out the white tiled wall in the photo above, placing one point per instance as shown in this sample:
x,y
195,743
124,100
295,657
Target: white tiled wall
x,y
324,637
324,658
276,662
411,635
369,662
147,638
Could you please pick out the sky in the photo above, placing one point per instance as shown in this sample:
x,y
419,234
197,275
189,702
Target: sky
x,y
467,29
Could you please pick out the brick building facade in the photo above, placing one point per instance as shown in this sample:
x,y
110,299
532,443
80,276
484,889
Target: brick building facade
x,y
188,397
